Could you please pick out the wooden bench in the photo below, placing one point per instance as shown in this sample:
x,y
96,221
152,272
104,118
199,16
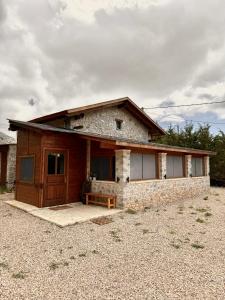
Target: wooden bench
x,y
110,199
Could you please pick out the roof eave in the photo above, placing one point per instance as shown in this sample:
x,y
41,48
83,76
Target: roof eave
x,y
166,148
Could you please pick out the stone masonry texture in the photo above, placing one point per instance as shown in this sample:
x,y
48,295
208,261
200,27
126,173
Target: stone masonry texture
x,y
122,165
141,194
188,167
104,122
11,166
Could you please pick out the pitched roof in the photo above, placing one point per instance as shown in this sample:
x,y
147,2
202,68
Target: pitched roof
x,y
6,140
125,102
15,125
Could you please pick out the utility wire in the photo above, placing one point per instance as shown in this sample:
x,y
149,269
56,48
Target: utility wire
x,y
195,121
185,105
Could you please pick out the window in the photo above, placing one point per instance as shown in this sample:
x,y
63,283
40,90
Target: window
x,y
142,166
55,164
197,166
103,168
27,169
119,124
174,166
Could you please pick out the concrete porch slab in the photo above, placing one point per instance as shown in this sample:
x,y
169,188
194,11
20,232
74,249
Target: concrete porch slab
x,y
76,213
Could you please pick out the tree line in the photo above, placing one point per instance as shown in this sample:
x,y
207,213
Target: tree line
x,y
199,138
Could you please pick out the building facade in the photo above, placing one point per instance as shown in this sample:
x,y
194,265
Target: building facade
x,y
112,145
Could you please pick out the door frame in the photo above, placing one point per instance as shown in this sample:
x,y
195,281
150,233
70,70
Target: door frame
x,y
45,170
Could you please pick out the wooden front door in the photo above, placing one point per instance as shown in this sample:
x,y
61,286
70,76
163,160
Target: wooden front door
x,y
55,186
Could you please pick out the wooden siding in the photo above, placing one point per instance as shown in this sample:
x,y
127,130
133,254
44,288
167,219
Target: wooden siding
x,y
31,143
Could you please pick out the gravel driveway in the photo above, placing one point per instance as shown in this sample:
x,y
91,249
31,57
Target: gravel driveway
x,y
173,252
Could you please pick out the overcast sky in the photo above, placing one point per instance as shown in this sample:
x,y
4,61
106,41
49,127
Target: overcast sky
x,y
57,54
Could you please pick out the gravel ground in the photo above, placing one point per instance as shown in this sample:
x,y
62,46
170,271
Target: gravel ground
x,y
170,252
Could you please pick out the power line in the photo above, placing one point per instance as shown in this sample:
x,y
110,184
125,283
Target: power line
x,y
196,121
185,105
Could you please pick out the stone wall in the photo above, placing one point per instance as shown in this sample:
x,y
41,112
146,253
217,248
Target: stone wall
x,y
141,194
11,166
103,122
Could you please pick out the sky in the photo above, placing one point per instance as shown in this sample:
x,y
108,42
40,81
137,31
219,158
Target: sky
x,y
59,54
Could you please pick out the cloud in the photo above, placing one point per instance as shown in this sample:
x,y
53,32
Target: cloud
x,y
151,53
2,12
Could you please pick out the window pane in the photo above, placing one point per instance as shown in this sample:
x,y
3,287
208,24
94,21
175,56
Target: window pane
x,y
104,168
100,168
135,166
113,168
149,169
193,166
169,166
178,166
174,166
60,164
27,169
199,166
51,163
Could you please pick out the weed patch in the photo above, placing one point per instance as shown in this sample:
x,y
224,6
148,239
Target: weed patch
x,y
172,232
53,266
20,275
200,220
115,236
82,254
208,214
174,245
197,246
201,209
4,265
137,224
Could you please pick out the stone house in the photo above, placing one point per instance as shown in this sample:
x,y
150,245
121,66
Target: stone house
x,y
7,160
112,145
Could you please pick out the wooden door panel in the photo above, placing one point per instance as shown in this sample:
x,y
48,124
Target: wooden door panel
x,y
55,187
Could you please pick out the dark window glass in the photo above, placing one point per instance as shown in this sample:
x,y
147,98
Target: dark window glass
x,y
27,169
60,164
51,164
119,124
113,168
103,168
55,163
